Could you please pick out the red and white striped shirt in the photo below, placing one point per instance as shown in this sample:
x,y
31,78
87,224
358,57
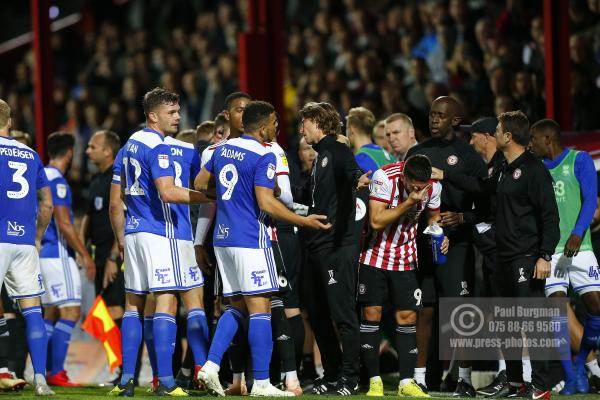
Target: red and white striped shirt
x,y
395,248
282,170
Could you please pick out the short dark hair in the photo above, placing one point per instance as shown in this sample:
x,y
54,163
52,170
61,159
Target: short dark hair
x,y
324,115
517,124
158,96
418,168
255,114
111,140
234,96
221,119
548,126
59,143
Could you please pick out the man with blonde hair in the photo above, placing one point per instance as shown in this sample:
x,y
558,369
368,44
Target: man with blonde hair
x,y
359,126
400,134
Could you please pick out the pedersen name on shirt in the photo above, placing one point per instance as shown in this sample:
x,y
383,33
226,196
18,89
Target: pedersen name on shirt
x,y
229,153
15,152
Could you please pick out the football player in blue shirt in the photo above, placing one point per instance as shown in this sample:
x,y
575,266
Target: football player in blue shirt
x,y
59,270
156,250
26,202
244,170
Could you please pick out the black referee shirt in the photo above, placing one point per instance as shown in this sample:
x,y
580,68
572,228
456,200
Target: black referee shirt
x,y
455,156
526,214
100,230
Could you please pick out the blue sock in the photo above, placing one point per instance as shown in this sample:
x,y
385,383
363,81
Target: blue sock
x,y
60,343
197,334
226,330
564,351
165,334
149,340
37,338
589,341
260,340
131,339
49,331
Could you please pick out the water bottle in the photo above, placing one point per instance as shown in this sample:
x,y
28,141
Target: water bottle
x,y
437,238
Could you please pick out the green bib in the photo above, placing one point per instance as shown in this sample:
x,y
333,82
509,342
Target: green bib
x,y
568,198
380,156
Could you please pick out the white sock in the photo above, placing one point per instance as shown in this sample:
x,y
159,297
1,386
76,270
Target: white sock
x,y
405,381
262,383
39,379
501,365
593,367
186,371
237,376
4,370
291,376
526,369
420,375
465,374
210,366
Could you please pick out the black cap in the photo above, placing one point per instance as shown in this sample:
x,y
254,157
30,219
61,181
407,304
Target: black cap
x,y
482,125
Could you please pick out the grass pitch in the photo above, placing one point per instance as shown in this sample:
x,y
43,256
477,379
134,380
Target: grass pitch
x,y
97,392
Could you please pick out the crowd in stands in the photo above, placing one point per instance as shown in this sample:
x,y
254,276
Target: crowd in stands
x,y
389,56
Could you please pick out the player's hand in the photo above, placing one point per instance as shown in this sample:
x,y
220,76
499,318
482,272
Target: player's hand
x,y
276,190
203,260
110,273
542,269
445,245
417,197
90,267
121,244
572,246
451,219
437,173
313,221
363,181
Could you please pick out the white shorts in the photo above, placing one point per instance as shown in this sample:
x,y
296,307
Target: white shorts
x,y
581,272
155,263
246,271
20,270
61,277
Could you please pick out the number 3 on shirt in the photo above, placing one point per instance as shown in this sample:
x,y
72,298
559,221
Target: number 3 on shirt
x,y
228,183
18,178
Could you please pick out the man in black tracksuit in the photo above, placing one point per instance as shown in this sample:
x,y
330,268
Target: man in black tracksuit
x,y
455,278
527,232
332,254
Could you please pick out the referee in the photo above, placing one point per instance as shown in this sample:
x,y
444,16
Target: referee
x,y
96,229
332,253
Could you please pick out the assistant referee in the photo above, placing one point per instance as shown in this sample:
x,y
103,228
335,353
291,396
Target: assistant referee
x,y
96,229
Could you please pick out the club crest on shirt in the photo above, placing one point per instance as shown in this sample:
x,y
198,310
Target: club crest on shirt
x,y
324,162
517,173
452,160
61,190
98,201
271,171
163,161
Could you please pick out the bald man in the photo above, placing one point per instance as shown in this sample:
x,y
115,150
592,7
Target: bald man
x,y
454,278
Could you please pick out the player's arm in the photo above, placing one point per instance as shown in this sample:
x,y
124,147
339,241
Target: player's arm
x,y
585,173
285,190
85,228
117,216
381,216
169,193
44,198
268,203
66,228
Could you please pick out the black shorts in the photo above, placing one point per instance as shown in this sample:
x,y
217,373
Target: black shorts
x,y
515,278
10,306
377,286
289,243
455,278
114,294
282,279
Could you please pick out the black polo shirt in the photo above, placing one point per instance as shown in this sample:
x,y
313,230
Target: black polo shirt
x,y
100,230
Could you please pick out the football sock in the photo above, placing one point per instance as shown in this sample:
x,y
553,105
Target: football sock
x,y
49,331
369,347
197,335
131,339
37,339
591,331
261,344
297,327
60,343
282,334
226,329
165,335
406,346
149,341
420,375
465,374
